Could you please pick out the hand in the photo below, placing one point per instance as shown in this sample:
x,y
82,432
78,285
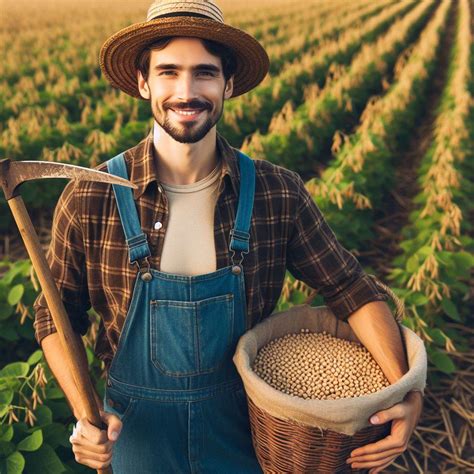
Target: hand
x,y
93,447
405,416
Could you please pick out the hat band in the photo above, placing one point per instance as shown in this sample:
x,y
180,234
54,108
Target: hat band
x,y
170,15
208,9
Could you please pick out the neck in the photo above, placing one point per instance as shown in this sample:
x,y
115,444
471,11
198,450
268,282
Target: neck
x,y
184,163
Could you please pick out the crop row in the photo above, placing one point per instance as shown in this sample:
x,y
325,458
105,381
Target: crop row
x,y
254,110
437,250
297,138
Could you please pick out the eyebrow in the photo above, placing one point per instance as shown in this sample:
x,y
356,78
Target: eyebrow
x,y
198,67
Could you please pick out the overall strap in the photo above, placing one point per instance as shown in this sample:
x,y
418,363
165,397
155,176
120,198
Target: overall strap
x,y
136,240
240,235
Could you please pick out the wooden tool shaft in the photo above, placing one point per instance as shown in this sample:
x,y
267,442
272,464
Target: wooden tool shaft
x,y
58,313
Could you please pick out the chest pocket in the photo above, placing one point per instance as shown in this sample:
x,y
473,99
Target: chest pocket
x,y
192,337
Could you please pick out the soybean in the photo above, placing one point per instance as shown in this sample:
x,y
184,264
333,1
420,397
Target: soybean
x,y
314,365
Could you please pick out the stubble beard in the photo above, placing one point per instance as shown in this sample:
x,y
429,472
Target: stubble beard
x,y
187,132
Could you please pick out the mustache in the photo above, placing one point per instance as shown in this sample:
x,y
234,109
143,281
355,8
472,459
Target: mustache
x,y
194,104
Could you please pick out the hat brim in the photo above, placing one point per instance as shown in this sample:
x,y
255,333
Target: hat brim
x,y
118,54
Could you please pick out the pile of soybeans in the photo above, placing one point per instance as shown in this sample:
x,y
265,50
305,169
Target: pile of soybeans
x,y
319,366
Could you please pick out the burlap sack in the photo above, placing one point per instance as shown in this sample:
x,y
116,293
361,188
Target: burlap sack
x,y
346,415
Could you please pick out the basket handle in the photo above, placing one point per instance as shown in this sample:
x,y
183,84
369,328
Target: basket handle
x,y
399,304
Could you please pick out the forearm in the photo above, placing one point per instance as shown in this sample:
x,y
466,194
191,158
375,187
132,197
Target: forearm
x,y
54,355
377,330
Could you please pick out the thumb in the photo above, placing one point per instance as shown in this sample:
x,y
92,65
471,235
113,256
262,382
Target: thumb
x,y
385,416
114,425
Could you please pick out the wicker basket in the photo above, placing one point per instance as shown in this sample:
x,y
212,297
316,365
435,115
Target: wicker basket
x,y
283,446
288,446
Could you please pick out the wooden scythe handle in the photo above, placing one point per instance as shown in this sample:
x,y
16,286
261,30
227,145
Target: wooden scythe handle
x,y
58,312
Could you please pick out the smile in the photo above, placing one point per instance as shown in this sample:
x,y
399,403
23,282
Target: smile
x,y
188,113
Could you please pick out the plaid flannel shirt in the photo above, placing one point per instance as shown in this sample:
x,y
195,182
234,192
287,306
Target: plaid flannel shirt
x,y
89,258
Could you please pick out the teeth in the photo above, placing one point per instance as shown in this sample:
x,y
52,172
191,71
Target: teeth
x,y
182,112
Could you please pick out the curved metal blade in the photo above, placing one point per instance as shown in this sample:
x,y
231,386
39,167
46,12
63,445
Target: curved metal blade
x,y
13,173
28,170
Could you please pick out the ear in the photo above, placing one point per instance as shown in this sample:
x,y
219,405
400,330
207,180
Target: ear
x,y
229,87
143,86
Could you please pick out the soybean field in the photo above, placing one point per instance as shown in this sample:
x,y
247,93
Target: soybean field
x,y
370,101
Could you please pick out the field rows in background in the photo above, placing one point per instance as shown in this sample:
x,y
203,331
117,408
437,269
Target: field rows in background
x,y
299,138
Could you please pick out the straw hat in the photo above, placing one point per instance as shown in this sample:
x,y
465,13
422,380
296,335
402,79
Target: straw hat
x,y
195,18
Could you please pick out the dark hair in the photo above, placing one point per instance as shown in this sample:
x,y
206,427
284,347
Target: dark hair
x,y
227,56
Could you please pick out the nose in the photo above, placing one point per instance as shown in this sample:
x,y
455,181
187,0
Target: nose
x,y
185,87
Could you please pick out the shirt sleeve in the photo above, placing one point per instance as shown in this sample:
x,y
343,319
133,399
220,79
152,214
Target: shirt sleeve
x,y
315,257
66,259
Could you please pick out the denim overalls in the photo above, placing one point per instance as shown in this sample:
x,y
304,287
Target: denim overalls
x,y
172,380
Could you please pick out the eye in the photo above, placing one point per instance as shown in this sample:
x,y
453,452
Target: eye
x,y
207,73
166,72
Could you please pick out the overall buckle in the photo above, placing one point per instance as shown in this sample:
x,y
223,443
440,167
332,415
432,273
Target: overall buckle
x,y
144,270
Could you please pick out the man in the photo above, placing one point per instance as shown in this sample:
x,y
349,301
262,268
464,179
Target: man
x,y
179,269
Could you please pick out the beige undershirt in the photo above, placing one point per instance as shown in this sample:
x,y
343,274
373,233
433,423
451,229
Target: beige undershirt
x,y
189,247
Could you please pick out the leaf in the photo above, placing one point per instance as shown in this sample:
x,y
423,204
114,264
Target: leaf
x,y
417,299
56,435
15,463
6,432
464,259
6,397
32,442
298,297
408,323
15,294
90,356
443,362
54,393
15,369
437,335
60,408
6,311
412,264
425,251
450,309
6,448
9,334
9,383
44,460
35,357
44,415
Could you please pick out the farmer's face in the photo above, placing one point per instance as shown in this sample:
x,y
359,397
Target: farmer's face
x,y
186,88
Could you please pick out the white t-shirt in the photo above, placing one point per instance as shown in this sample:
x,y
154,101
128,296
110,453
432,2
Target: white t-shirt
x,y
189,247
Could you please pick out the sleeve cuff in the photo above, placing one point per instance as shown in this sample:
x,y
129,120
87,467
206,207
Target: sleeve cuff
x,y
362,291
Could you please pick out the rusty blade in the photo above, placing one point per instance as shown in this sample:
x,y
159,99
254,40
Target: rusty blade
x,y
13,173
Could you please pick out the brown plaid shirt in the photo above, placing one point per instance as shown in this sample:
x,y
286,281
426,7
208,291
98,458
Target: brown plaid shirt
x,y
89,258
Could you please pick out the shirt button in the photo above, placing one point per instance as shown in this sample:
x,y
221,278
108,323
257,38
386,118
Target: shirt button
x,y
158,225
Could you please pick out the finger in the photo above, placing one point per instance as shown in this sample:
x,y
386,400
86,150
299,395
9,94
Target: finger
x,y
379,468
81,452
376,456
369,464
94,464
384,444
91,432
96,448
397,411
114,425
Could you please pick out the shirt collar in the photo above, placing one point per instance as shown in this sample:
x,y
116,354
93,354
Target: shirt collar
x,y
143,170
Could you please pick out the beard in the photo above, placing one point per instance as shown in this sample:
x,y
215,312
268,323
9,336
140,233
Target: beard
x,y
188,132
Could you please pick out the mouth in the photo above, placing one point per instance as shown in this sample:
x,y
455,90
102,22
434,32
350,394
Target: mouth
x,y
188,114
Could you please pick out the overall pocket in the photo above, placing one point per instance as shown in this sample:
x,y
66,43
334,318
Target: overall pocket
x,y
191,337
119,404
